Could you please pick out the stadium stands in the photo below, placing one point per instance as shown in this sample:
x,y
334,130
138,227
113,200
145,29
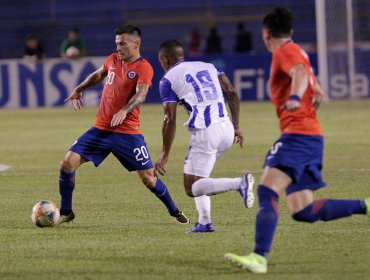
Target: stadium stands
x,y
159,20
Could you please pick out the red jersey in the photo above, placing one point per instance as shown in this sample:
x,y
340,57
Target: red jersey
x,y
120,86
303,120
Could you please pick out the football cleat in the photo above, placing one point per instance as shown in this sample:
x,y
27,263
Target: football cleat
x,y
201,228
66,218
246,190
180,217
367,204
253,262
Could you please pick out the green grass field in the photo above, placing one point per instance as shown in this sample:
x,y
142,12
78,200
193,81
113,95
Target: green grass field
x,y
122,231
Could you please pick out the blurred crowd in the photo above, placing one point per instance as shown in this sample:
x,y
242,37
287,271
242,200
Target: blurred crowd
x,y
74,47
198,44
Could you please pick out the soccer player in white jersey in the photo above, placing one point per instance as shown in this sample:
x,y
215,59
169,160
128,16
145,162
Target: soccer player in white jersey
x,y
201,89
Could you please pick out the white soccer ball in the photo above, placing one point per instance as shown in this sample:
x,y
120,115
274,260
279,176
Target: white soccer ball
x,y
72,51
45,213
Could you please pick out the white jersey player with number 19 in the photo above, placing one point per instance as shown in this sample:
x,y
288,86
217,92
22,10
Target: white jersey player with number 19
x,y
192,83
201,89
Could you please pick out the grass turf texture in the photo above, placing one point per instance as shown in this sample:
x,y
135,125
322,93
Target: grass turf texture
x,y
122,231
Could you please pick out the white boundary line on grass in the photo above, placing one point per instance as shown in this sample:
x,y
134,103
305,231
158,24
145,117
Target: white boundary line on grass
x,y
4,167
354,169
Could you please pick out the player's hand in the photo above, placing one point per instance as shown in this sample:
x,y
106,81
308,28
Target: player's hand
x,y
239,137
76,100
292,104
318,96
118,118
160,163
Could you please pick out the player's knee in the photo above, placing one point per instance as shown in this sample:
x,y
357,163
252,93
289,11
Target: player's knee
x,y
66,165
189,192
149,181
71,162
188,189
265,193
305,215
148,178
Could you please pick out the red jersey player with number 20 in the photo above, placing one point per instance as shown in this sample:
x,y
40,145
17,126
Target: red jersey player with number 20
x,y
128,78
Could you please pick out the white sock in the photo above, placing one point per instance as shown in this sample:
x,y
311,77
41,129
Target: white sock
x,y
203,204
211,186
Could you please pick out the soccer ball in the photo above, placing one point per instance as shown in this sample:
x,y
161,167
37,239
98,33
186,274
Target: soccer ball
x,y
72,51
45,214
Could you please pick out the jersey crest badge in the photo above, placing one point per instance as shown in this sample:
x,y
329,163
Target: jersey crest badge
x,y
131,74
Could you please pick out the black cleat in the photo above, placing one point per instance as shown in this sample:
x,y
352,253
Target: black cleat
x,y
180,217
66,217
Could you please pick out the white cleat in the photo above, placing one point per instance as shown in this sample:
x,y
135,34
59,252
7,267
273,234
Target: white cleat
x,y
246,190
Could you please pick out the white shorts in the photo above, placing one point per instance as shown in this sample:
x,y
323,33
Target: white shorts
x,y
207,146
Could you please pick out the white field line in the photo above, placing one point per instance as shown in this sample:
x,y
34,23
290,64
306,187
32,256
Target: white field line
x,y
4,167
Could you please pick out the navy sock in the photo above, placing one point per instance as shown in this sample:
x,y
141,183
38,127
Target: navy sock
x,y
161,191
267,219
66,187
329,209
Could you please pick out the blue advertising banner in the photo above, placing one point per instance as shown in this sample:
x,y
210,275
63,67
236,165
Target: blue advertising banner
x,y
46,84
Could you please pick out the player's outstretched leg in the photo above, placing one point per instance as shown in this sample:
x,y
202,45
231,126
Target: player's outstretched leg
x,y
212,186
331,209
66,187
246,190
253,262
161,191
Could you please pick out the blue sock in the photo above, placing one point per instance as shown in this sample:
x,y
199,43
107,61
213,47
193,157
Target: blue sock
x,y
161,191
66,187
329,209
267,220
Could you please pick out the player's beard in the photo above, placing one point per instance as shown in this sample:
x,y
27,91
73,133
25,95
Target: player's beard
x,y
124,58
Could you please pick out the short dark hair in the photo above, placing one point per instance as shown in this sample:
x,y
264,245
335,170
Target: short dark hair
x,y
74,30
170,48
128,29
279,22
32,37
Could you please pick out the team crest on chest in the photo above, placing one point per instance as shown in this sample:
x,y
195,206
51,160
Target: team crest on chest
x,y
131,74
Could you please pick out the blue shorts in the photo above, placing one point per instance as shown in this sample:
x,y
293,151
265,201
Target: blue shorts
x,y
300,157
130,149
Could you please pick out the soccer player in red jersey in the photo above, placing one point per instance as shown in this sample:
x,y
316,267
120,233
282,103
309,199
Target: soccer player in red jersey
x,y
128,77
293,164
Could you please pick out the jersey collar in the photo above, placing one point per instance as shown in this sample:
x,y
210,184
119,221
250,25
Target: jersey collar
x,y
138,59
177,63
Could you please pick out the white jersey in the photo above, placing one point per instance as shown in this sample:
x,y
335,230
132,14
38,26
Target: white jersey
x,y
195,85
